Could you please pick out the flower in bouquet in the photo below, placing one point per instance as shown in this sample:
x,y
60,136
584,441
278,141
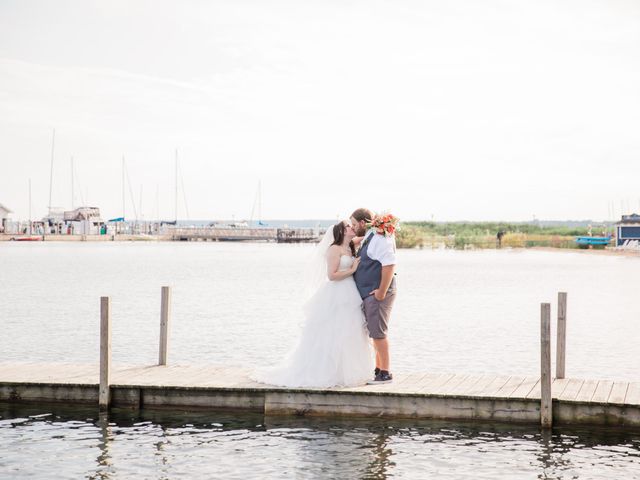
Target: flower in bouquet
x,y
385,224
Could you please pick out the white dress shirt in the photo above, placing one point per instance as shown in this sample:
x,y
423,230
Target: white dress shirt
x,y
381,248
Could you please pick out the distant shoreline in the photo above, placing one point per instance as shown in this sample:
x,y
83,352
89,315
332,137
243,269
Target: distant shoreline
x,y
82,238
608,251
168,238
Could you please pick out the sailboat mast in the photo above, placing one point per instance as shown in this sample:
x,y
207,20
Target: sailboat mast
x,y
123,201
176,192
53,142
260,202
72,184
30,207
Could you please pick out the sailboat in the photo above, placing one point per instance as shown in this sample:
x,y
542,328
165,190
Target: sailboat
x,y
27,237
258,201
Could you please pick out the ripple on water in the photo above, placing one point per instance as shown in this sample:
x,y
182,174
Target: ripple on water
x,y
77,443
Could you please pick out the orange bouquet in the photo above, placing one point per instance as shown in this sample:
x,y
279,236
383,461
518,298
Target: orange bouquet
x,y
385,224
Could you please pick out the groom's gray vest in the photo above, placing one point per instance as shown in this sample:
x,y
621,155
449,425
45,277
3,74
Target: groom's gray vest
x,y
369,272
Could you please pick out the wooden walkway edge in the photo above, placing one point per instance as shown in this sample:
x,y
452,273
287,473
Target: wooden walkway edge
x,y
500,398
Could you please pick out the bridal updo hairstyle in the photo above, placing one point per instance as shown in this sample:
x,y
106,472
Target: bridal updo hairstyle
x,y
338,236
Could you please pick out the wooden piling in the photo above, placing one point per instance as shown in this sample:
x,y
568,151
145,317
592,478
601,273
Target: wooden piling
x,y
104,397
562,335
546,418
165,313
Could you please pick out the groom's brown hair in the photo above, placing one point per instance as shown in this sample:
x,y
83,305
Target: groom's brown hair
x,y
362,214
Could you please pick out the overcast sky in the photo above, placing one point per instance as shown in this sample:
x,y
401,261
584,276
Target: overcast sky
x,y
492,110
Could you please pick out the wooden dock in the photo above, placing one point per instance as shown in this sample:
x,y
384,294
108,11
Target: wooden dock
x,y
542,399
247,234
499,398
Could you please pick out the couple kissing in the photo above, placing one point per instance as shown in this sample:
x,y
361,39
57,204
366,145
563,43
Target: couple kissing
x,y
343,341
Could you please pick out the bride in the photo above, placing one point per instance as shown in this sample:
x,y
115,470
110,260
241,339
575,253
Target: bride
x,y
334,348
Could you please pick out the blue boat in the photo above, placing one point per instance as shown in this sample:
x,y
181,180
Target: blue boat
x,y
593,240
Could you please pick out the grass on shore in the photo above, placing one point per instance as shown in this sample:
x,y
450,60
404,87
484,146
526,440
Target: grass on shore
x,y
465,235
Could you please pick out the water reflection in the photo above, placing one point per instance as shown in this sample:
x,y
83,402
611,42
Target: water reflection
x,y
104,459
546,454
346,448
161,455
160,444
381,462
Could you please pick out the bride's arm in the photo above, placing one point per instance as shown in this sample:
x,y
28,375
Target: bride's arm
x,y
333,264
357,240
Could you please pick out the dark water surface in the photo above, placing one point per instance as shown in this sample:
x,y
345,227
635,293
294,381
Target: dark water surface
x,y
61,442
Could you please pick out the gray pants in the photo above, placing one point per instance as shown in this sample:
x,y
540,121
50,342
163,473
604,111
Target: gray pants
x,y
377,314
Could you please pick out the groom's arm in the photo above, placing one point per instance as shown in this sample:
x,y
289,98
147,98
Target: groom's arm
x,y
385,282
385,253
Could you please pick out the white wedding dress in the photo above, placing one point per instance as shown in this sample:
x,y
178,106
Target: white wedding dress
x,y
334,347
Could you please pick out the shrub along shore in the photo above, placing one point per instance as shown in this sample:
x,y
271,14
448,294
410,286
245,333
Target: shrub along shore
x,y
466,235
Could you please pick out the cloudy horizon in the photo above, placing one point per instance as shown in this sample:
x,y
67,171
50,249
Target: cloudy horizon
x,y
457,111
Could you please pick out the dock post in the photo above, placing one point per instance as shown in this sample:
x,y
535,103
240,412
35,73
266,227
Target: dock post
x,y
561,343
104,397
165,308
546,415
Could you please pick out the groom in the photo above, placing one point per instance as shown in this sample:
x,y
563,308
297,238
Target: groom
x,y
375,279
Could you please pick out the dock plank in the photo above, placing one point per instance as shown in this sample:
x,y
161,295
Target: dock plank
x,y
587,390
127,374
603,390
435,383
411,383
633,394
223,377
428,379
467,384
510,387
450,385
525,387
149,375
428,384
570,392
492,389
535,392
557,386
58,373
482,382
618,392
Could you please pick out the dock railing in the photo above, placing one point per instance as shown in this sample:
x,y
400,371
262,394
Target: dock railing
x,y
546,402
104,398
561,343
546,413
165,313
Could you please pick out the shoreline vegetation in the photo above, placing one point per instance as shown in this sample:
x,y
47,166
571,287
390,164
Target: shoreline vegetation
x,y
484,235
412,234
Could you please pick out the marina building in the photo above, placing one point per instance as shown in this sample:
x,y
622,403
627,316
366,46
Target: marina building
x,y
628,231
4,218
83,221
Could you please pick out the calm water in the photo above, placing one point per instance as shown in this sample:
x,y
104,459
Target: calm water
x,y
41,442
239,304
475,312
